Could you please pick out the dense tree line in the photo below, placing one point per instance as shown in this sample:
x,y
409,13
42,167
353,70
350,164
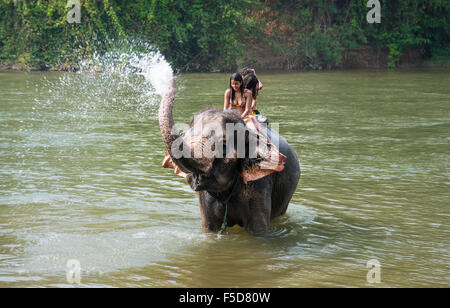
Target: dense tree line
x,y
218,35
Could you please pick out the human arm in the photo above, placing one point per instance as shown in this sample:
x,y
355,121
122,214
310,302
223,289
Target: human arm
x,y
248,105
253,107
226,100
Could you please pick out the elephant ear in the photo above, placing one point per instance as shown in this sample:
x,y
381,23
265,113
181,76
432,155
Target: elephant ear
x,y
268,160
168,163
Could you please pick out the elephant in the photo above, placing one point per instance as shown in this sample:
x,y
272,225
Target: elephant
x,y
232,189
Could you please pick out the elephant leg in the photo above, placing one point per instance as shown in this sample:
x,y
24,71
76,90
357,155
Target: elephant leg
x,y
260,208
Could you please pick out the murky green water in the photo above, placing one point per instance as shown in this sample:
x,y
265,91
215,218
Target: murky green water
x,y
80,178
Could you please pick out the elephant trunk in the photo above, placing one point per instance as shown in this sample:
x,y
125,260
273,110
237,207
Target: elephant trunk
x,y
165,117
167,126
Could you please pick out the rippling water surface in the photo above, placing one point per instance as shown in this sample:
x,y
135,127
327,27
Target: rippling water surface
x,y
80,178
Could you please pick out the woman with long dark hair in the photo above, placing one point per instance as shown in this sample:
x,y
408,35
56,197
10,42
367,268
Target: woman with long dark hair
x,y
249,75
240,99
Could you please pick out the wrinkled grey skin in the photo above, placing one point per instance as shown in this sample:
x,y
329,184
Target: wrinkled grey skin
x,y
254,204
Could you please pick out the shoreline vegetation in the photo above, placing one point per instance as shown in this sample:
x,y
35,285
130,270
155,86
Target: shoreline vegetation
x,y
426,64
225,35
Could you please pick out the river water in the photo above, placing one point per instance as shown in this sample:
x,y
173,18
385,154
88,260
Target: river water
x,y
81,181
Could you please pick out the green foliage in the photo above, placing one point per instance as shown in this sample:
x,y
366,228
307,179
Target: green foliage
x,y
37,34
210,35
323,29
198,34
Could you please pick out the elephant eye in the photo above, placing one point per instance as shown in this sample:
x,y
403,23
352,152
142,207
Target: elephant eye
x,y
203,173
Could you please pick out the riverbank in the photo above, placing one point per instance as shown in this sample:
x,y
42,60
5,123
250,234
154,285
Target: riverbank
x,y
267,65
358,58
19,66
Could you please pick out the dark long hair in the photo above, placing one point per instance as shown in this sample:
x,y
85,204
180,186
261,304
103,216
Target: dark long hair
x,y
246,71
236,77
252,83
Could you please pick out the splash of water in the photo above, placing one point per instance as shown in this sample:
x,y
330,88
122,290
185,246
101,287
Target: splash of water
x,y
135,59
132,77
156,71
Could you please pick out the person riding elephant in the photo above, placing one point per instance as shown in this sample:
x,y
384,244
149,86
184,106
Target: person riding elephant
x,y
238,180
254,84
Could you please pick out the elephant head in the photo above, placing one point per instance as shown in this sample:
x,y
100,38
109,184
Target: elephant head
x,y
213,153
